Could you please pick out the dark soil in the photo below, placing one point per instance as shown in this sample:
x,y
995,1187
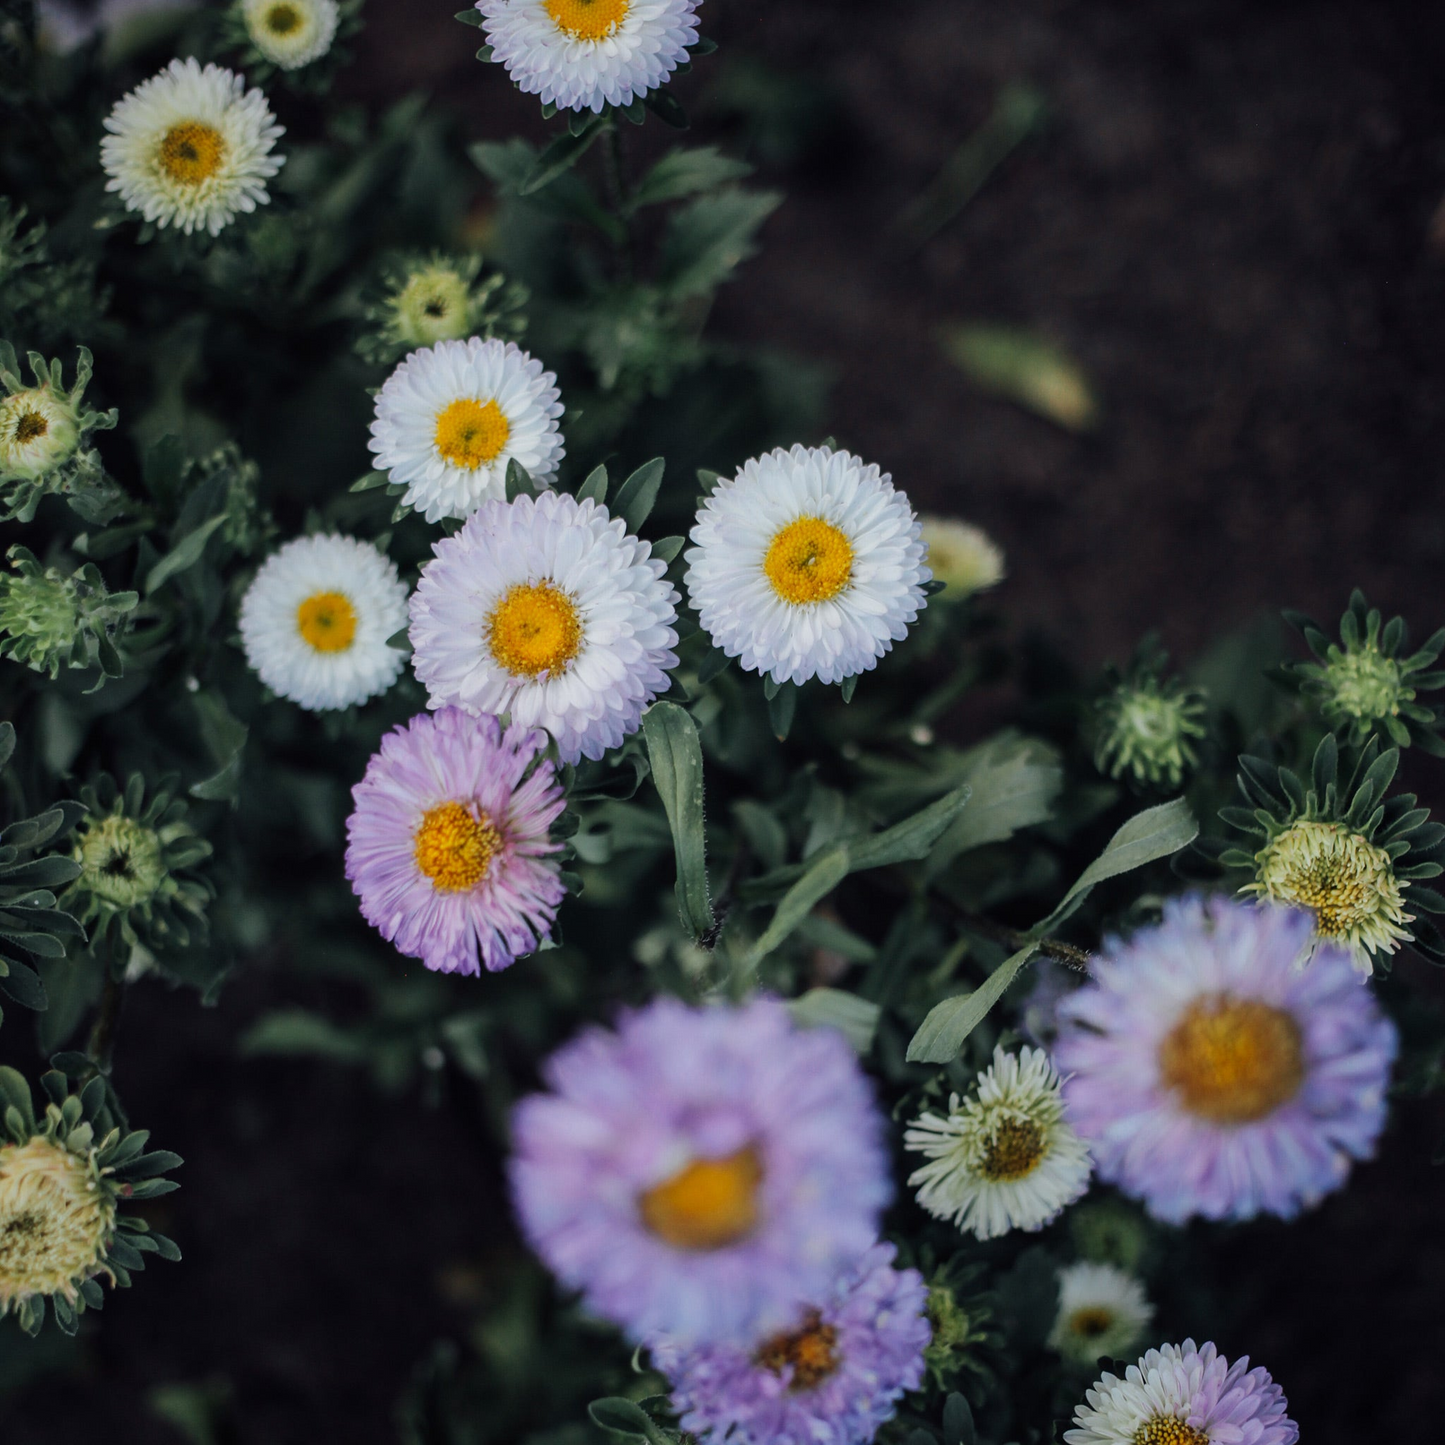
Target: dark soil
x,y
1229,224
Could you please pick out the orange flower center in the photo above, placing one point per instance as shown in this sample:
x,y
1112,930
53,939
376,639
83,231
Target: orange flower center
x,y
1233,1061
192,152
588,19
470,433
454,847
709,1204
810,560
327,621
810,1351
534,629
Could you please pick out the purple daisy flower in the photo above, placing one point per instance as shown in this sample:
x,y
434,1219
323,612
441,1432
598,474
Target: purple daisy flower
x,y
1212,1075
1185,1395
448,844
831,1380
701,1173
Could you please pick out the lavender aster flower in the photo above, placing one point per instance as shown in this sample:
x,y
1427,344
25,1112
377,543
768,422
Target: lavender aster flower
x,y
1212,1075
701,1173
1184,1395
449,843
831,1380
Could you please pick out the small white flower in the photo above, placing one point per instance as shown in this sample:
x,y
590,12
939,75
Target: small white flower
x,y
1102,1312
546,609
191,147
584,54
962,555
808,564
315,622
38,429
1005,1159
450,418
291,33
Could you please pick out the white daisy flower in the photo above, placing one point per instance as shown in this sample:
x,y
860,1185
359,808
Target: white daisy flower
x,y
1005,1159
808,564
291,33
315,622
546,609
584,54
191,147
450,418
1102,1312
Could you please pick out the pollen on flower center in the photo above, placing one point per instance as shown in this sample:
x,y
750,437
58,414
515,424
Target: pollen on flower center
x,y
810,560
470,433
192,152
810,1351
1233,1061
1013,1150
31,425
1326,867
588,19
1166,1430
534,629
327,621
454,846
708,1204
282,19
1091,1321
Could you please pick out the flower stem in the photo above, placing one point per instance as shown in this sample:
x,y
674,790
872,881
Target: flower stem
x,y
101,1046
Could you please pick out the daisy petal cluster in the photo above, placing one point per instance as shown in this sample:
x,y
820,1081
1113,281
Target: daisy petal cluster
x,y
807,564
191,148
1184,1395
1102,1312
546,609
316,620
449,848
450,418
701,1174
291,33
1005,1158
1212,1075
831,1379
586,54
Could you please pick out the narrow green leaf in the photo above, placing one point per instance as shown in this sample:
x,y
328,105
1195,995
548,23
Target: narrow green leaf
x,y
595,487
822,877
561,155
833,1008
623,1417
949,1023
782,708
685,172
519,481
676,757
913,837
185,554
637,496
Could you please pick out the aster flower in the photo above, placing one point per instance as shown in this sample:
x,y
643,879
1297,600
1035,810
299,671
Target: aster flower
x,y
1147,724
546,609
702,1174
1184,1395
585,54
448,846
1347,853
291,33
1212,1076
807,564
1366,683
50,620
831,1379
316,619
1005,1158
1102,1312
191,148
961,555
451,418
62,1179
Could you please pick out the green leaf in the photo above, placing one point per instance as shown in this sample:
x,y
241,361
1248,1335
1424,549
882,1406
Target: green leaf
x,y
822,877
186,553
1154,833
519,481
913,837
561,155
782,708
666,548
1014,782
24,986
469,17
833,1008
941,1035
297,1031
623,1417
707,239
595,487
676,757
958,1426
49,872
663,104
685,172
225,738
637,496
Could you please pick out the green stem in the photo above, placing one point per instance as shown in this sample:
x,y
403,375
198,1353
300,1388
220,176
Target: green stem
x,y
101,1046
614,166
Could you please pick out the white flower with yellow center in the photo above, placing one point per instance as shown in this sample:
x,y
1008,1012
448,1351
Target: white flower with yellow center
x,y
1103,1312
450,418
291,33
807,564
315,622
38,430
544,608
962,555
584,54
191,147
1006,1158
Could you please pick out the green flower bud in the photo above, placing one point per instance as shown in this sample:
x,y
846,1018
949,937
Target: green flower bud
x,y
1148,724
49,620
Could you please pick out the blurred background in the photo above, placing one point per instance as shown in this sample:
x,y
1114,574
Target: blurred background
x,y
1152,290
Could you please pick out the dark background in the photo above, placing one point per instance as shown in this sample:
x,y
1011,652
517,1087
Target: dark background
x,y
1229,223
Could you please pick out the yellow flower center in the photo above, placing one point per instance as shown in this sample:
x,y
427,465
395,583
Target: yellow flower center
x,y
810,560
1233,1061
809,1350
327,621
454,847
192,152
1091,1321
1013,1150
30,426
1347,881
471,433
1166,1430
707,1205
282,19
534,629
588,19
